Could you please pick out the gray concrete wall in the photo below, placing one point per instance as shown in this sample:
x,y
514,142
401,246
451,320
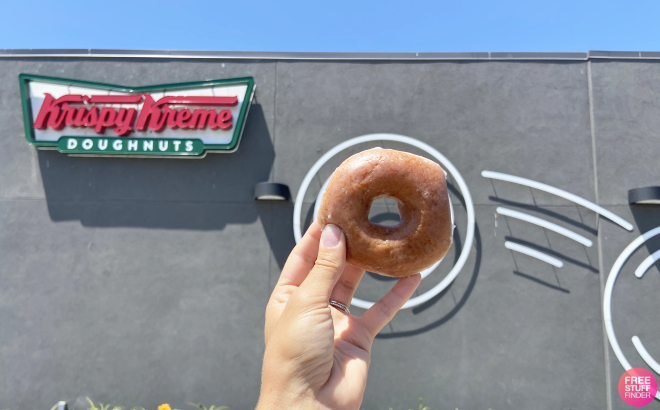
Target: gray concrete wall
x,y
143,281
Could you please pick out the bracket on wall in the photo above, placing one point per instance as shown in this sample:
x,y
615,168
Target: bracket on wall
x,y
271,191
649,195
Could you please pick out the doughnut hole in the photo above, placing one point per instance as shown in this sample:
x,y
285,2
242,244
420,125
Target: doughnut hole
x,y
384,211
424,233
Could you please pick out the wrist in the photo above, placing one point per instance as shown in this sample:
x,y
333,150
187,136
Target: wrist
x,y
281,401
280,388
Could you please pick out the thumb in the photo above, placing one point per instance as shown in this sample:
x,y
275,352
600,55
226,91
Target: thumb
x,y
328,267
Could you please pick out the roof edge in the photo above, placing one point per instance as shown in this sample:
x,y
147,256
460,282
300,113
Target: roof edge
x,y
256,55
267,55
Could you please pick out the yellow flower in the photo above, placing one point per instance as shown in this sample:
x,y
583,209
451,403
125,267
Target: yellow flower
x,y
164,407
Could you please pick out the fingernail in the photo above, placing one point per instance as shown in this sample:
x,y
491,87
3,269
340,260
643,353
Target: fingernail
x,y
414,275
330,236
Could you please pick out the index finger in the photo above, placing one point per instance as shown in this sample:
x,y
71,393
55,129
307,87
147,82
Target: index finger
x,y
301,259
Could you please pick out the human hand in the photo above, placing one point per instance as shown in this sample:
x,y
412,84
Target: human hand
x,y
317,357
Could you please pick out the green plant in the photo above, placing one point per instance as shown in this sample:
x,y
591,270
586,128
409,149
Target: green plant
x,y
421,405
201,407
105,407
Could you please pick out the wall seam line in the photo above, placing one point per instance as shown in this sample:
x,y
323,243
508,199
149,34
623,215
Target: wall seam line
x,y
272,178
606,343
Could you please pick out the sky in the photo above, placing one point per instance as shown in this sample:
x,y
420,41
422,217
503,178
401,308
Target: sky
x,y
348,26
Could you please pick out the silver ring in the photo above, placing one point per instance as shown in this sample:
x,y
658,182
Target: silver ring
x,y
340,306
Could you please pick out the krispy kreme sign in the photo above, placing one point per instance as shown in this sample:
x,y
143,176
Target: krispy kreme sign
x,y
172,120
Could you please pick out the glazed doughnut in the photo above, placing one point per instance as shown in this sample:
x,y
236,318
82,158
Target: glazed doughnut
x,y
419,186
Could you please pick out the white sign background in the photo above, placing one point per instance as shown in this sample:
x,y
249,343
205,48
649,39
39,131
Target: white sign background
x,y
207,135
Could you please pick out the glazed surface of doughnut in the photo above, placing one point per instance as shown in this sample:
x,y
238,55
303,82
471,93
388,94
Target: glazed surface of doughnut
x,y
419,185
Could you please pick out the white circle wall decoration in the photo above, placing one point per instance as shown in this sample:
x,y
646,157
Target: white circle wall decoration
x,y
607,303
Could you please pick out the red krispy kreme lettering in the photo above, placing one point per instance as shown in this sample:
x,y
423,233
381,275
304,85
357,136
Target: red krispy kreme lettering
x,y
224,120
91,118
182,118
74,117
200,117
50,114
150,116
171,117
95,112
230,101
107,118
125,120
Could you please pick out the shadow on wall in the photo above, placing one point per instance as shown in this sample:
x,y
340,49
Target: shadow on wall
x,y
425,307
459,304
278,225
550,216
202,194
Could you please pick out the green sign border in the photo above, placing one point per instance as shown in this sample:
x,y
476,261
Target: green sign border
x,y
24,80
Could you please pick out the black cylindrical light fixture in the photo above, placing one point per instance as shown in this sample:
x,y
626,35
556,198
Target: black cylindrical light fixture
x,y
62,406
271,191
649,195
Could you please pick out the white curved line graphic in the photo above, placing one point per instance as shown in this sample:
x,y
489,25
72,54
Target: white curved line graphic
x,y
561,193
449,167
646,264
545,224
607,297
645,355
534,254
